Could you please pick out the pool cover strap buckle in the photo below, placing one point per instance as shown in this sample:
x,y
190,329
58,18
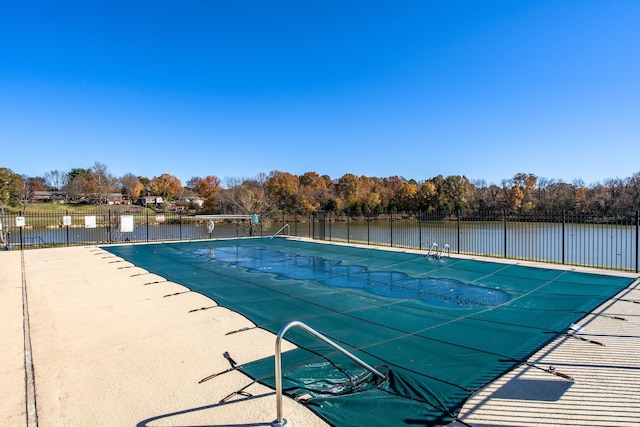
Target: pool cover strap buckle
x,y
231,361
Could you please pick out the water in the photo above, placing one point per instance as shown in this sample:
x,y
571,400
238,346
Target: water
x,y
611,246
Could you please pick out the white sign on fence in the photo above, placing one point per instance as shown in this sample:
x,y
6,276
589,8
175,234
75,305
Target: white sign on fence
x,y
90,221
66,220
126,224
20,221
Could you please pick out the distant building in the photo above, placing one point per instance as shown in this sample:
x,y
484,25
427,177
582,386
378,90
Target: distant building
x,y
197,201
49,197
151,200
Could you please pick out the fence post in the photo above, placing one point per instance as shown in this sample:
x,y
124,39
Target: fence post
x,y
21,239
504,220
391,228
564,221
420,230
637,244
369,228
458,240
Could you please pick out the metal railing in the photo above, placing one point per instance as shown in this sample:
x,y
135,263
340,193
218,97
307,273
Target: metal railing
x,y
286,226
590,240
280,421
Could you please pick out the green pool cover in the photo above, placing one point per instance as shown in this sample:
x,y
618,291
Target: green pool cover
x,y
438,329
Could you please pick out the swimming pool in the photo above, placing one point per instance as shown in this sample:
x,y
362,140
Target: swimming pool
x,y
439,328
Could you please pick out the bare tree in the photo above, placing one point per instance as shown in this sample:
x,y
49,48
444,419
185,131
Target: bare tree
x,y
55,179
131,186
26,192
103,181
76,187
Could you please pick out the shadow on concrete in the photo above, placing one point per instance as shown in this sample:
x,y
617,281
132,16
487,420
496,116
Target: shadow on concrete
x,y
154,420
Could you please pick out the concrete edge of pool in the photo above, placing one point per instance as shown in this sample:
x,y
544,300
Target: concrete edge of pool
x,y
115,345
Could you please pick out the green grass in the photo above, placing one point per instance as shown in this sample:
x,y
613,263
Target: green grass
x,y
74,208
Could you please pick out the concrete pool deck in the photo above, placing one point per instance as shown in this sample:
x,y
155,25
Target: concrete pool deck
x,y
114,345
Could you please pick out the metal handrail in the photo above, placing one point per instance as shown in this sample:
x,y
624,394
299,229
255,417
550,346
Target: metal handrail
x,y
447,248
435,252
282,228
280,421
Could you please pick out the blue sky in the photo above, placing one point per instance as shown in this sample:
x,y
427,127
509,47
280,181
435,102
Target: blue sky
x,y
484,89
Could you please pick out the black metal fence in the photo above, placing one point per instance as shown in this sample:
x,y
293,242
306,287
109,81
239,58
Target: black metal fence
x,y
592,240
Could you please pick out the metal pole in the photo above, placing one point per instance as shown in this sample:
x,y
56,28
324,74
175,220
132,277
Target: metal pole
x,y
391,228
637,244
564,221
420,230
369,229
505,233
458,232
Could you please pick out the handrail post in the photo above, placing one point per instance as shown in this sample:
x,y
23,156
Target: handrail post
x,y
280,421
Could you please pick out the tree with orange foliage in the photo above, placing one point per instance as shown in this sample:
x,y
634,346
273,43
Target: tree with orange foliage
x,y
282,189
167,186
208,189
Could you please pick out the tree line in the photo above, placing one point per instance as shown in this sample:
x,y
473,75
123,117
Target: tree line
x,y
524,192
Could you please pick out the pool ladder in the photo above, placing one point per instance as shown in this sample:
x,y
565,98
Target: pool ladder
x,y
433,251
280,421
286,226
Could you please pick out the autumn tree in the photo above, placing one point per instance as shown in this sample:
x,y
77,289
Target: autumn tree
x,y
245,197
208,189
368,197
457,189
282,189
146,185
633,192
167,186
131,186
581,197
313,192
426,197
523,187
347,188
